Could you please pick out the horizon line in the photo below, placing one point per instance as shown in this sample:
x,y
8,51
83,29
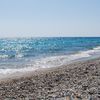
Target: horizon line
x,y
51,37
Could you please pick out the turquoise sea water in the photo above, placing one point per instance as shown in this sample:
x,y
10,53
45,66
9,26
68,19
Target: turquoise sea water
x,y
19,54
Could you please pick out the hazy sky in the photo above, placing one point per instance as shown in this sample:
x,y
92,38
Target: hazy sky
x,y
21,18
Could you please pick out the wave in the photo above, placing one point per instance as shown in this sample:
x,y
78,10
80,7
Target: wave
x,y
53,61
5,56
60,60
97,48
92,52
11,71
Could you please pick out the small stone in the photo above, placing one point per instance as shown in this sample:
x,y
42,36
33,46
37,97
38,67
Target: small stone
x,y
92,91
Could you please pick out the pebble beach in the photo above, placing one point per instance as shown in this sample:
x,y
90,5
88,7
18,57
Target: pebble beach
x,y
79,80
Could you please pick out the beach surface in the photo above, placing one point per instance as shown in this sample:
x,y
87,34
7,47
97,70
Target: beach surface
x,y
77,80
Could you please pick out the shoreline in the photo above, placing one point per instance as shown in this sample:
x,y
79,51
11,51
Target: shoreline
x,y
23,74
82,77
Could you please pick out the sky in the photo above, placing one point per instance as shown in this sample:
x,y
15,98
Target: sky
x,y
33,18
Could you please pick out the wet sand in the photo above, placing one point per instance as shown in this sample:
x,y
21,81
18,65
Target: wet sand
x,y
76,80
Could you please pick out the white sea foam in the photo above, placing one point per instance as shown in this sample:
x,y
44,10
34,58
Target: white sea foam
x,y
11,71
52,61
3,56
93,52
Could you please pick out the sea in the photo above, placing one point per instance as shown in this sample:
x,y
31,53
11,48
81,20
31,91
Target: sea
x,y
19,55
